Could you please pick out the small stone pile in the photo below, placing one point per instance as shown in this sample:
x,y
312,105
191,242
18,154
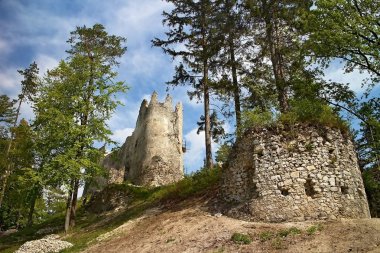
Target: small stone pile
x,y
49,243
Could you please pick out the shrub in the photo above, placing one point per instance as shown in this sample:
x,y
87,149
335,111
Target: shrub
x,y
256,119
313,112
241,238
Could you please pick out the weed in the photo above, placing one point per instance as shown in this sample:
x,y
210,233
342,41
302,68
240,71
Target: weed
x,y
241,238
309,146
313,229
170,240
265,236
277,243
290,231
219,250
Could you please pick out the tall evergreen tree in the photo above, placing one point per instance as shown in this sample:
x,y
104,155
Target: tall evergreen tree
x,y
234,45
278,37
28,90
191,38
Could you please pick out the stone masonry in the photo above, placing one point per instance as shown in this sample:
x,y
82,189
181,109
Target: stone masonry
x,y
152,155
302,174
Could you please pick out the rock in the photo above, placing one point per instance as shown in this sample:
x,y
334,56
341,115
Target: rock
x,y
295,174
47,244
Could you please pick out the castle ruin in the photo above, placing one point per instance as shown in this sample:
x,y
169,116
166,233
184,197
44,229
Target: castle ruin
x,y
301,174
152,155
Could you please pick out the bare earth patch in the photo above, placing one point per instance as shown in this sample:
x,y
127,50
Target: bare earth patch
x,y
186,227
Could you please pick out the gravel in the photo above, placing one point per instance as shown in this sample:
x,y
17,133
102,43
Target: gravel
x,y
49,243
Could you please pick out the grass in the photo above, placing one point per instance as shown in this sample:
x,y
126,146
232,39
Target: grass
x,y
241,238
266,236
88,228
314,229
290,231
277,239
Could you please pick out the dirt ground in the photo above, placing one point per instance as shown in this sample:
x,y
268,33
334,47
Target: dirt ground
x,y
186,227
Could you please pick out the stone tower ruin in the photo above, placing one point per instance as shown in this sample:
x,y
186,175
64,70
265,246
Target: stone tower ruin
x,y
152,155
306,173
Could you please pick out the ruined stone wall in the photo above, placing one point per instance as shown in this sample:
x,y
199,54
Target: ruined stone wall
x,y
296,175
152,155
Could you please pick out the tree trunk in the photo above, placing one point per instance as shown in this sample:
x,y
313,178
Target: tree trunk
x,y
209,163
8,170
74,203
68,207
85,192
32,205
273,41
235,84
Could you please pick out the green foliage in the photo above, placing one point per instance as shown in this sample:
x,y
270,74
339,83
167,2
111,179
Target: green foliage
x,y
193,26
371,180
76,100
257,119
241,238
278,243
312,112
18,193
216,125
368,137
290,231
223,152
348,30
266,236
191,185
314,229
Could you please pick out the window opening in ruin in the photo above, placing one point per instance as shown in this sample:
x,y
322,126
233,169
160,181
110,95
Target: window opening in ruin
x,y
284,192
344,189
309,188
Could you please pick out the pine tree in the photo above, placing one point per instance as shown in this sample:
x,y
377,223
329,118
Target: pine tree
x,y
28,90
278,37
192,26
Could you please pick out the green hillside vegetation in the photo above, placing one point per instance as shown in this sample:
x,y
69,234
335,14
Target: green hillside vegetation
x,y
89,225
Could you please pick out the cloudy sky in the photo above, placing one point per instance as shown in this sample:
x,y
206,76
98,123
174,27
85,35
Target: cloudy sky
x,y
37,31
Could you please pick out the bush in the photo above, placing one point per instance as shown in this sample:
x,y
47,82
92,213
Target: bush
x,y
241,238
371,180
313,112
256,119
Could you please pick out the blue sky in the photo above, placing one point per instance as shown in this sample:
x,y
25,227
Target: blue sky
x,y
37,30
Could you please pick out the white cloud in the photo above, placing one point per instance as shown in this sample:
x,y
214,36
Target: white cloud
x,y
10,82
4,46
26,112
120,135
355,79
137,19
195,155
46,62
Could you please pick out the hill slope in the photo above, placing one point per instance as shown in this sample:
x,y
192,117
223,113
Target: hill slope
x,y
188,227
